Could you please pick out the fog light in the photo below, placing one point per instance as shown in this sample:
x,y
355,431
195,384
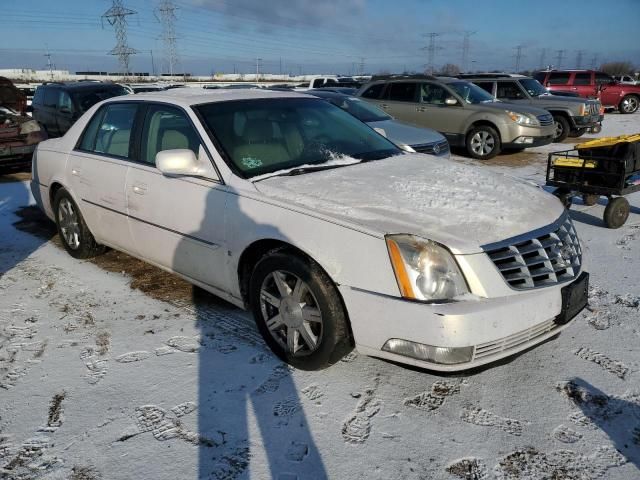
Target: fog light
x,y
428,353
524,140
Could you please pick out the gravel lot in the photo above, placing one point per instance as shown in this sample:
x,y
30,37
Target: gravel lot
x,y
112,369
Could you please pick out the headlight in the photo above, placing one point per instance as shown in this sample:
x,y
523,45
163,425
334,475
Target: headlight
x,y
406,148
523,119
584,109
29,127
425,270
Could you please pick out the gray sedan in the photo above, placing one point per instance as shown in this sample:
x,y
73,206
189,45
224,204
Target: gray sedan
x,y
407,137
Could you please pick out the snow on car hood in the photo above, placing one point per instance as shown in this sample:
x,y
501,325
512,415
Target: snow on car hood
x,y
458,205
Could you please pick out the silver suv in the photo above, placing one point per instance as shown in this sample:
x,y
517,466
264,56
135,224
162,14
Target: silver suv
x,y
573,116
464,113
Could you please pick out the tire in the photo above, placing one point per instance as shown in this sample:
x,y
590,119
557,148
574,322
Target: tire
x,y
590,199
272,295
72,229
483,142
575,133
565,196
616,212
629,104
562,128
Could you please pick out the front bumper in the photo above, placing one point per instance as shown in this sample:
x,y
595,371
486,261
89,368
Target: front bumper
x,y
512,135
528,142
13,153
586,121
494,327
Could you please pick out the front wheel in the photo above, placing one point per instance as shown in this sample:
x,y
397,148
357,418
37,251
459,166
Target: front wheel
x,y
72,229
629,104
577,132
616,212
298,311
562,128
483,142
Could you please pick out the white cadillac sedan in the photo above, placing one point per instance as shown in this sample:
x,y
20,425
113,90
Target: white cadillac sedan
x,y
286,205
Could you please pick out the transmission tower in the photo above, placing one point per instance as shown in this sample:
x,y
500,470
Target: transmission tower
x,y
50,65
559,57
362,59
431,51
543,57
579,55
116,16
518,56
466,46
594,61
166,15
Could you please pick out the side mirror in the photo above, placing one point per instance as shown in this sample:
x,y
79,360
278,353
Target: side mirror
x,y
183,162
450,101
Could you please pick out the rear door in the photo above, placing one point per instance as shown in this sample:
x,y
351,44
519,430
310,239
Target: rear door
x,y
98,169
176,222
584,85
401,102
511,91
558,81
64,112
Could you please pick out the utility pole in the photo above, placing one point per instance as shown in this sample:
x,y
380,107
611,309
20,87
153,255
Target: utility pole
x,y
116,16
518,56
49,64
166,15
431,51
543,57
258,60
579,55
466,45
153,64
559,57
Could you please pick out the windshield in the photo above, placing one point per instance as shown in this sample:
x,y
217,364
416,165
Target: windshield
x,y
86,99
533,87
263,136
470,92
363,111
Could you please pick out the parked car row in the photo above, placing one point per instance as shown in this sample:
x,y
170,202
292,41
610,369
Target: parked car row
x,y
333,237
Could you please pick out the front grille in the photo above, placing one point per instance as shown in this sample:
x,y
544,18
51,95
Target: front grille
x,y
545,119
496,347
550,256
594,109
436,148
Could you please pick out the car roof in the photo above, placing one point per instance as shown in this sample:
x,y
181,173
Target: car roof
x,y
327,94
197,96
81,85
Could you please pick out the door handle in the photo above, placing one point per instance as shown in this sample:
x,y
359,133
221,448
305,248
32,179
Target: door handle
x,y
75,171
575,88
139,188
421,109
384,105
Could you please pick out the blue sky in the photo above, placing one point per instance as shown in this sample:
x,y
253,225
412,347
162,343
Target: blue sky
x,y
313,36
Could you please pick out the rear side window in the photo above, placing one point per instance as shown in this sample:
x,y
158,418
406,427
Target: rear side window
x,y
486,86
167,128
109,131
583,78
603,78
51,97
558,78
402,92
374,91
38,97
540,76
509,91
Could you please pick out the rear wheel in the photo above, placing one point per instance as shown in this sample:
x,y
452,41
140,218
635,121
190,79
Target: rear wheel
x,y
298,311
72,229
483,142
629,104
562,128
616,212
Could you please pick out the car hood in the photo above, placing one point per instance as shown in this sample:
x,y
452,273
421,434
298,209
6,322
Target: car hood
x,y
559,100
461,206
402,133
513,107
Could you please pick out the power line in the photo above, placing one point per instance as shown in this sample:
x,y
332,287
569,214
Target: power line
x,y
166,15
116,16
466,46
559,57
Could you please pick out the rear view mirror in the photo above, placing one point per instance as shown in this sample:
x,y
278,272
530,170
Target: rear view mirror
x,y
183,162
451,101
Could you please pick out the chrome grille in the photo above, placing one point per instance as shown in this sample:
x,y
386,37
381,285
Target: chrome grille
x,y
545,120
594,109
436,148
513,341
545,258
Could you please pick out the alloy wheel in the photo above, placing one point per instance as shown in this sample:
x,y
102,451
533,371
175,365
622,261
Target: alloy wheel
x,y
559,129
482,143
630,104
69,225
291,313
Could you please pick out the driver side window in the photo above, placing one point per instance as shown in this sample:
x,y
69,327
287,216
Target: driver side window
x,y
433,94
509,91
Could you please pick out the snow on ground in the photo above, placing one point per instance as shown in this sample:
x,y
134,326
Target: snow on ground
x,y
109,369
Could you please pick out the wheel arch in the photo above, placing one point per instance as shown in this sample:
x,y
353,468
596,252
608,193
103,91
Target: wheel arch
x,y
483,122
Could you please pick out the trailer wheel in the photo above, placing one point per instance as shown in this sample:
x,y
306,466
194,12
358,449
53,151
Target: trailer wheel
x,y
590,199
565,196
616,213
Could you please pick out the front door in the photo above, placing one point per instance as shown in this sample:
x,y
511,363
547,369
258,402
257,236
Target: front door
x,y
176,222
98,169
434,112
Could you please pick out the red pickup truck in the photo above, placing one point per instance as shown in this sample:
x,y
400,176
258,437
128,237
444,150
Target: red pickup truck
x,y
592,84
